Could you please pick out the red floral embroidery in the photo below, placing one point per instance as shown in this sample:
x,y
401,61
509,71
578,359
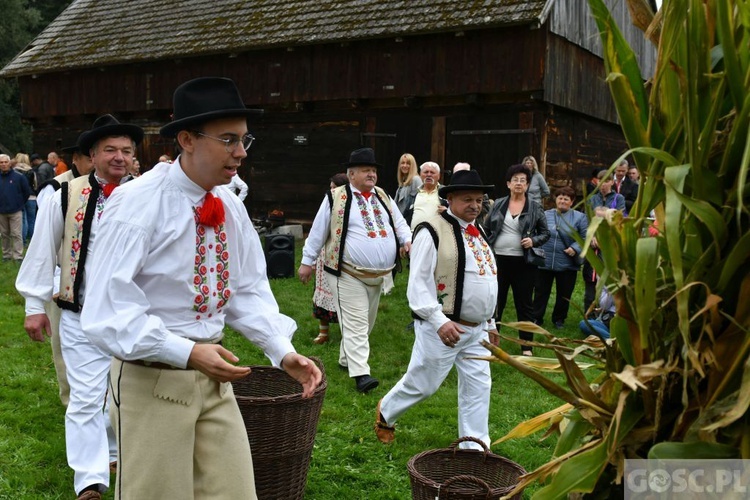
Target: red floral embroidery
x,y
210,278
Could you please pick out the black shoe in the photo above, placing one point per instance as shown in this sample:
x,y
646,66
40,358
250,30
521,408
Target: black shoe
x,y
559,324
366,383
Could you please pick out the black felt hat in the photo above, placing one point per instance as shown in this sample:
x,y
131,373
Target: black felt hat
x,y
465,180
75,148
363,157
108,126
204,99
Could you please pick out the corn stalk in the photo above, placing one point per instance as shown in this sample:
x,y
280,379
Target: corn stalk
x,y
676,379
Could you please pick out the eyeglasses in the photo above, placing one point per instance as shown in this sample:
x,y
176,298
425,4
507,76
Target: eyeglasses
x,y
518,180
231,144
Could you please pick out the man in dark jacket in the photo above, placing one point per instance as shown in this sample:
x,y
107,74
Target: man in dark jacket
x,y
625,186
14,191
44,171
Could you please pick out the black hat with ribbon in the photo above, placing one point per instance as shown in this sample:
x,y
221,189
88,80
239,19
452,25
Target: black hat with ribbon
x,y
363,157
204,99
465,180
108,126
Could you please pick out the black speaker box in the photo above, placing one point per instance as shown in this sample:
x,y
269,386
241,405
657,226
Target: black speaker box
x,y
279,250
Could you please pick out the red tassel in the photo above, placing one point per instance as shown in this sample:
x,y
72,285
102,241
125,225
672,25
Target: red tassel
x,y
472,230
212,211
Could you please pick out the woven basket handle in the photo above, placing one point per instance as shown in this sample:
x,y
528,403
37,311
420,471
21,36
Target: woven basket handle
x,y
460,440
465,479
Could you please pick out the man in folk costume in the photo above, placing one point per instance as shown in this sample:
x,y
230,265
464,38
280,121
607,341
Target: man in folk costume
x,y
67,224
165,279
81,166
452,293
363,233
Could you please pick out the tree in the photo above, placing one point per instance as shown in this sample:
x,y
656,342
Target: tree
x,y
21,21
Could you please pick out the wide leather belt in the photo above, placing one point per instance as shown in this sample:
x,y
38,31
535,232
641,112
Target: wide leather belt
x,y
467,323
364,273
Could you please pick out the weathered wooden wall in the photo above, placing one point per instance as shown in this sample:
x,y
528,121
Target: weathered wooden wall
x,y
478,97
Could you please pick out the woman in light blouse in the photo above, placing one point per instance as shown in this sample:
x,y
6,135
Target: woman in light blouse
x,y
409,181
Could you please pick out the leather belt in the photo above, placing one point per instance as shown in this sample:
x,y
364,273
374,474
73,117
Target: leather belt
x,y
359,273
154,364
467,323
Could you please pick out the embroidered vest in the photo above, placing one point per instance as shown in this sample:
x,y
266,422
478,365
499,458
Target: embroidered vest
x,y
341,203
79,198
451,262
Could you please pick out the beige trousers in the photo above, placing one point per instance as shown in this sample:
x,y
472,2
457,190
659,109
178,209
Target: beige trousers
x,y
180,435
11,226
53,313
357,302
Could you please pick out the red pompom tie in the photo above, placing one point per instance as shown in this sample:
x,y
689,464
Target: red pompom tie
x,y
212,211
472,230
108,188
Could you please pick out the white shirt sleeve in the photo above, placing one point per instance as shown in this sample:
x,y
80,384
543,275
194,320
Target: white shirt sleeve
x,y
403,231
35,281
318,234
238,183
422,289
253,310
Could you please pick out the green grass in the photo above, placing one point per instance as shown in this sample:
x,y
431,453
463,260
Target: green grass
x,y
348,461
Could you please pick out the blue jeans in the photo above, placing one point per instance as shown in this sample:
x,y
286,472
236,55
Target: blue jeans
x,y
597,325
29,219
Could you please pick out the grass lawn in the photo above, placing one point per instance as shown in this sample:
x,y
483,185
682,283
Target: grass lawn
x,y
348,462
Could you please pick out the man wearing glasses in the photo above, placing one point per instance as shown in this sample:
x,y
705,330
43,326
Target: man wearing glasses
x,y
188,262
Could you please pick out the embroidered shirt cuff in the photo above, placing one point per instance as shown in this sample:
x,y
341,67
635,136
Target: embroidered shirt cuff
x,y
308,262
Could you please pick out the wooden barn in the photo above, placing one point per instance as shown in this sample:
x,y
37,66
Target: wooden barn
x,y
486,82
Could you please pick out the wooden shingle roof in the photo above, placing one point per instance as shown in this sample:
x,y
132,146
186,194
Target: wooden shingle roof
x,y
92,33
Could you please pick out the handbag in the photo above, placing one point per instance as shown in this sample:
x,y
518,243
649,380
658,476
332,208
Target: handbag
x,y
534,256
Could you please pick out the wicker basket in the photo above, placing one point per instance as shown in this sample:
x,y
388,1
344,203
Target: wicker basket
x,y
281,428
460,473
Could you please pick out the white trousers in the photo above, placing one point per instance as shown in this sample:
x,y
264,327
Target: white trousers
x,y
53,314
357,302
89,439
430,363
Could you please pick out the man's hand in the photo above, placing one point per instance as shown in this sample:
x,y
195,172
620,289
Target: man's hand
x,y
304,371
570,252
450,333
405,249
210,359
304,272
36,326
527,242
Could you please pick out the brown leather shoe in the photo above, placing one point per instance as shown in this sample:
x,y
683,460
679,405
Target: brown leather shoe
x,y
89,495
322,338
385,433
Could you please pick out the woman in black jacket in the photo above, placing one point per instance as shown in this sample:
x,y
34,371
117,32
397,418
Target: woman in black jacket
x,y
515,225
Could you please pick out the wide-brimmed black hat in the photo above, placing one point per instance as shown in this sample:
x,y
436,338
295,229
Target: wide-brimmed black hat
x,y
363,157
465,180
204,99
75,148
108,126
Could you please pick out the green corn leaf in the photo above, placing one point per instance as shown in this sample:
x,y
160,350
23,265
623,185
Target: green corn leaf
x,y
699,450
644,286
